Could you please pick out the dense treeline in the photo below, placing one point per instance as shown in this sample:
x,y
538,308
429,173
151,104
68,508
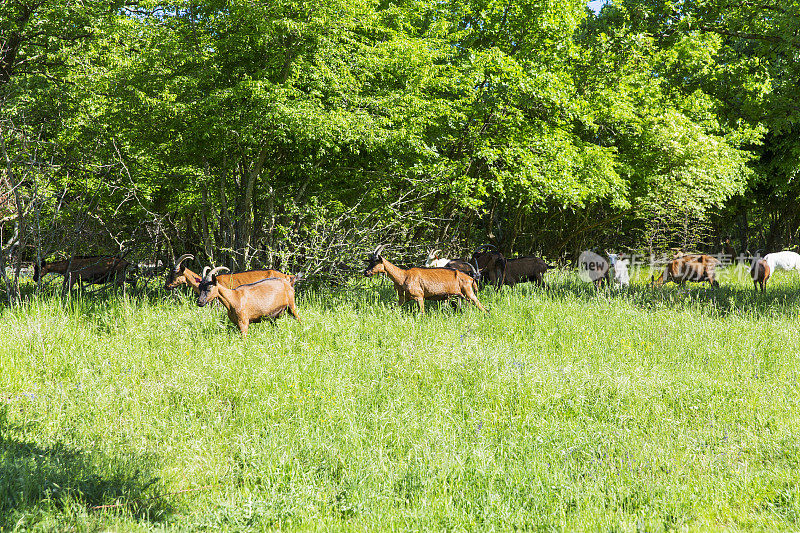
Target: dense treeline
x,y
296,134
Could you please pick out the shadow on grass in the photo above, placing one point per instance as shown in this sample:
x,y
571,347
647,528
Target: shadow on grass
x,y
720,301
36,480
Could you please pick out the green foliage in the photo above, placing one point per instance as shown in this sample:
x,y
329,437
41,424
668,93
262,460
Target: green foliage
x,y
218,124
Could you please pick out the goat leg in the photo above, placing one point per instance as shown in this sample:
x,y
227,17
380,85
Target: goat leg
x,y
293,311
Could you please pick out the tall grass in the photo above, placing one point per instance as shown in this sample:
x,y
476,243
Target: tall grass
x,y
567,408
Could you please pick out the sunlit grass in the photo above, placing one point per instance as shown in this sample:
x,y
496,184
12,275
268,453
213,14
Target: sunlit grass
x,y
569,408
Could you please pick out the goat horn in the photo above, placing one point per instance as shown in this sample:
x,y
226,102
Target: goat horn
x,y
476,269
181,259
205,269
379,249
437,250
217,269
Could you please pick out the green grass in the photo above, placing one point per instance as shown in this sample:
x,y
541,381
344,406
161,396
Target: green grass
x,y
565,409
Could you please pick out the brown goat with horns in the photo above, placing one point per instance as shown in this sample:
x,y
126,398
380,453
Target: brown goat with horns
x,y
180,275
246,304
422,284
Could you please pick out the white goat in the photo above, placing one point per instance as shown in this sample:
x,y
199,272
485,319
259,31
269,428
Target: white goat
x,y
762,268
618,270
434,261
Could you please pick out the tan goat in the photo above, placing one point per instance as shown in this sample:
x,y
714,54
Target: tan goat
x,y
422,284
246,304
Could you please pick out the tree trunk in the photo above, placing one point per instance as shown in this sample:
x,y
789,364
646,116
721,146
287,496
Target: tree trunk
x,y
743,233
19,223
207,248
225,237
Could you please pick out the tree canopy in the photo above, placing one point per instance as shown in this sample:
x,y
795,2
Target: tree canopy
x,y
298,133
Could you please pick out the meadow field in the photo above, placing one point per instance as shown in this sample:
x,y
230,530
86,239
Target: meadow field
x,y
562,409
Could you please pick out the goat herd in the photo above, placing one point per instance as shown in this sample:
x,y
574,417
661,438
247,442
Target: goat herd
x,y
256,294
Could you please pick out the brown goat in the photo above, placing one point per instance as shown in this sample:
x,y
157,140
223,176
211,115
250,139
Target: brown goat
x,y
685,268
760,272
247,304
491,264
524,269
180,275
89,269
422,284
729,250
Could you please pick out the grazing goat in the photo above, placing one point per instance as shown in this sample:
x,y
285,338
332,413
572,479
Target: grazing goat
x,y
249,303
525,269
762,268
685,268
89,269
491,264
760,272
422,284
435,261
180,275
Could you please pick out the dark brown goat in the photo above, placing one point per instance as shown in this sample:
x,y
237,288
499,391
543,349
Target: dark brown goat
x,y
685,268
420,284
760,272
525,269
491,264
88,269
248,304
180,275
729,250
462,265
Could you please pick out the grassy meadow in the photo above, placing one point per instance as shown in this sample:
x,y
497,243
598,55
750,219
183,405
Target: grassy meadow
x,y
563,409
